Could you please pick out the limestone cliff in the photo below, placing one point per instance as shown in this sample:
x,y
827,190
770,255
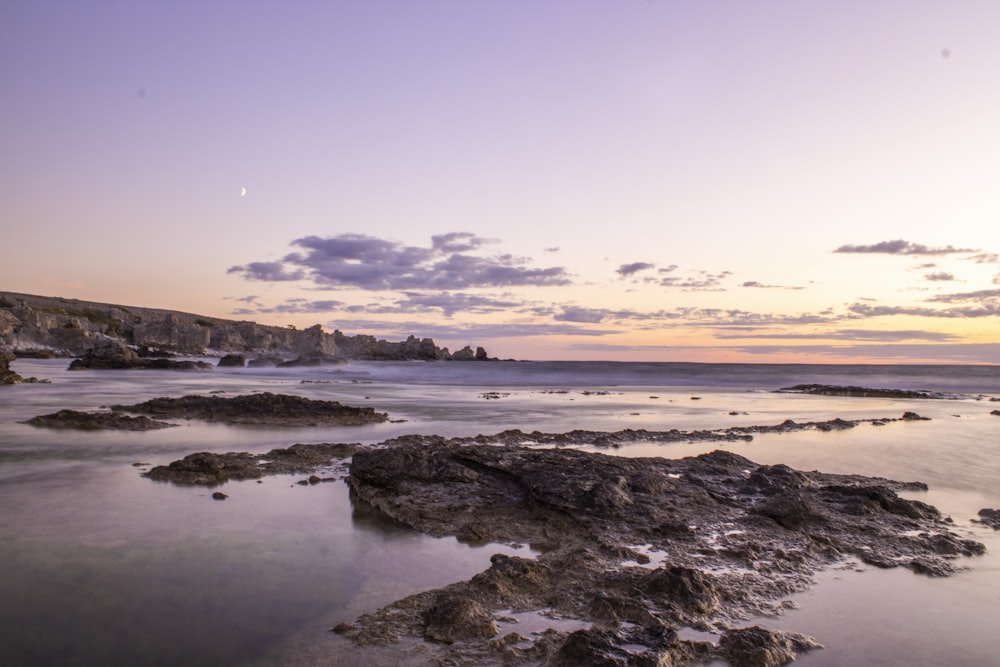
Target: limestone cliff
x,y
32,324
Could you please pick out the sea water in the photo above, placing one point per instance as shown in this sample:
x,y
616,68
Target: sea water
x,y
100,566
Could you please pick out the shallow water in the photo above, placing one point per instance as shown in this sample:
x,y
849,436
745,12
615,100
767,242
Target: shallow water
x,y
99,566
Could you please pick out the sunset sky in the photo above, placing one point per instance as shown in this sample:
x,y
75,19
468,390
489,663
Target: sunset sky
x,y
665,180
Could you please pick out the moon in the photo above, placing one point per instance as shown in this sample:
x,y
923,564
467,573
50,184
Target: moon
x,y
243,192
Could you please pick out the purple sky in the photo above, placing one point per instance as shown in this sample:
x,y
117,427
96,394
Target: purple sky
x,y
766,181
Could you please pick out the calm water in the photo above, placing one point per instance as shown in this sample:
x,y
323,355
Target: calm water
x,y
99,566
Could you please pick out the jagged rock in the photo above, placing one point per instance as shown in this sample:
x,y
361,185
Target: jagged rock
x,y
71,327
312,359
453,617
112,354
757,647
465,354
7,376
232,361
751,535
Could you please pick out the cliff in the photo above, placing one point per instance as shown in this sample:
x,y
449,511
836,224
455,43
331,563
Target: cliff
x,y
32,324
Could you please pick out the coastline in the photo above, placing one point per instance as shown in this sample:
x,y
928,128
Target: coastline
x,y
292,515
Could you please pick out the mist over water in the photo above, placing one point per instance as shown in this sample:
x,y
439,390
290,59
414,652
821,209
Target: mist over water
x,y
103,567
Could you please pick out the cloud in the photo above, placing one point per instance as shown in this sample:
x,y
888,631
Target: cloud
x,y
988,308
626,270
901,247
268,271
366,262
939,276
470,332
872,335
450,303
702,281
986,295
985,258
755,284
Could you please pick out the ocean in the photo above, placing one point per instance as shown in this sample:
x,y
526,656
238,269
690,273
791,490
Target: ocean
x,y
100,566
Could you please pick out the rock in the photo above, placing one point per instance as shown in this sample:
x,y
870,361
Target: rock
x,y
219,495
749,536
232,361
453,617
859,392
990,517
757,647
112,354
312,360
7,376
262,408
71,327
465,354
209,469
91,421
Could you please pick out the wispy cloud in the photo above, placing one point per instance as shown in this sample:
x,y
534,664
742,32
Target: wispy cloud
x,y
901,247
370,263
939,276
758,285
626,270
868,335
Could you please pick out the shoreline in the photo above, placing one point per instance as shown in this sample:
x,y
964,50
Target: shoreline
x,y
799,518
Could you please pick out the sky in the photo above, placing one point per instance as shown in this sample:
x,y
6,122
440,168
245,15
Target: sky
x,y
714,181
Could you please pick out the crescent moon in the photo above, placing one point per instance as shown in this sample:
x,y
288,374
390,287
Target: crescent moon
x,y
243,192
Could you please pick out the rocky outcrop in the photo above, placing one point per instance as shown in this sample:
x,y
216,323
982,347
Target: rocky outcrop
x,y
93,421
264,408
989,517
210,469
113,354
7,376
631,549
71,327
232,361
860,392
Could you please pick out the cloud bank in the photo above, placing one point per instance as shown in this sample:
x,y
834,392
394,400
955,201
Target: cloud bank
x,y
370,263
901,247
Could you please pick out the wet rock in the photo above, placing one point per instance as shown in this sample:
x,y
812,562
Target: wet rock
x,y
263,408
733,538
990,517
232,361
757,647
219,495
209,469
7,376
92,421
453,617
114,354
859,392
312,360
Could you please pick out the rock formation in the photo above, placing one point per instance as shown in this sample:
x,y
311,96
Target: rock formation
x,y
70,327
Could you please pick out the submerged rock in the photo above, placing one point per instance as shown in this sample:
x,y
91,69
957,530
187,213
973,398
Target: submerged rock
x,y
859,392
